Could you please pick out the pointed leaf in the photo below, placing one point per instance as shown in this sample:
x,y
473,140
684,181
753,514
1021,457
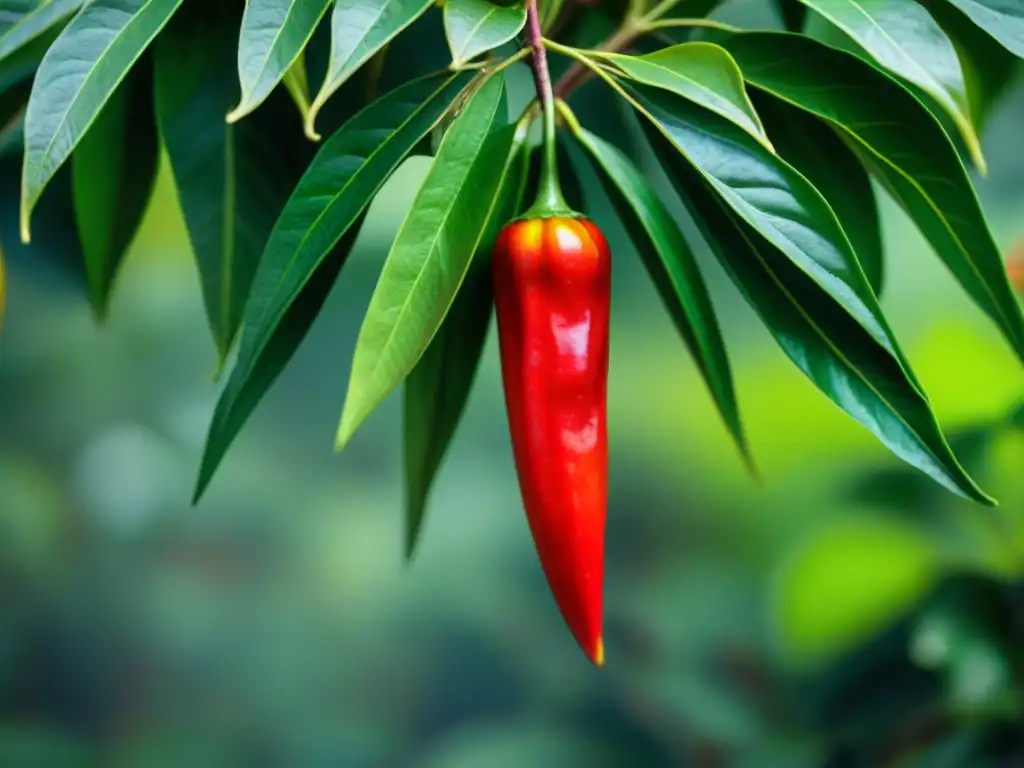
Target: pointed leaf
x,y
704,73
79,73
775,199
296,80
903,37
113,171
274,34
37,19
439,387
902,145
325,208
430,255
1003,19
232,180
674,270
812,147
477,26
360,28
820,335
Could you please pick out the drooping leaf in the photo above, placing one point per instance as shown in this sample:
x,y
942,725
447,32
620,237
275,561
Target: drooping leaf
x,y
113,171
324,209
903,37
232,179
439,387
702,72
812,147
35,19
1003,19
296,81
476,26
819,334
430,255
79,73
672,267
776,200
903,146
274,34
360,28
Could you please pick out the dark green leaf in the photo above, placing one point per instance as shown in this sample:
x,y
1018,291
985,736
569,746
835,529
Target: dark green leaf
x,y
902,37
335,191
274,34
430,255
113,170
79,73
776,200
813,148
855,370
232,180
793,13
360,29
438,388
37,19
902,145
476,26
704,73
673,269
1003,19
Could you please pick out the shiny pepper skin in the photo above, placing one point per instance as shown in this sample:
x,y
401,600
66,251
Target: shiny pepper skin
x,y
552,281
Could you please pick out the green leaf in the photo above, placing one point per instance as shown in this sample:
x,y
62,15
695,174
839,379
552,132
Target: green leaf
x,y
296,81
439,387
77,76
360,28
37,19
113,171
776,200
820,335
1003,19
812,147
672,267
350,168
232,180
903,146
704,73
274,34
793,13
903,37
476,26
430,255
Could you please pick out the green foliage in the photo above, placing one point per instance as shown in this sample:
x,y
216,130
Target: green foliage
x,y
771,141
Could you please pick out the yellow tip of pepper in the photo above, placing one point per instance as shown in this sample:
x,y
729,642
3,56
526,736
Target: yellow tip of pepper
x,y
599,653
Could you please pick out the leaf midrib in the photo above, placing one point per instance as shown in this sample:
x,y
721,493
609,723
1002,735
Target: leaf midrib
x,y
491,11
273,44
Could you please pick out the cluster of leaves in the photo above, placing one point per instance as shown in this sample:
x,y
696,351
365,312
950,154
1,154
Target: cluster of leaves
x,y
769,138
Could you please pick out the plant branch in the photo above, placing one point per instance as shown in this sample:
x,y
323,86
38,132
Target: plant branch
x,y
575,76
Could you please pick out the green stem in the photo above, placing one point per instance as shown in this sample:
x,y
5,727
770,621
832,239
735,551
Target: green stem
x,y
550,201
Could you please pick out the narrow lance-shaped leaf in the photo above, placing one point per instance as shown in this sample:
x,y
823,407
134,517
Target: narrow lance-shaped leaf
x,y
903,37
360,28
672,267
477,26
775,199
812,147
296,81
820,336
325,208
274,34
704,73
902,145
1003,19
439,387
35,20
79,73
232,180
430,255
113,171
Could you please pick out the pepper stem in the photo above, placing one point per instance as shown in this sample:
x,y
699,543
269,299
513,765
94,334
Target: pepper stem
x,y
550,201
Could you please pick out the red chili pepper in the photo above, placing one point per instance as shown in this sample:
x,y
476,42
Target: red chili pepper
x,y
552,281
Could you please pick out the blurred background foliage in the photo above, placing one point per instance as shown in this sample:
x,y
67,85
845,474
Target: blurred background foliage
x,y
844,612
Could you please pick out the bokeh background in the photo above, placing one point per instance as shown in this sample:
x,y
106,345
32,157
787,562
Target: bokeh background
x,y
843,612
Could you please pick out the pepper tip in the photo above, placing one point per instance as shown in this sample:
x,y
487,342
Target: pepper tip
x,y
598,657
